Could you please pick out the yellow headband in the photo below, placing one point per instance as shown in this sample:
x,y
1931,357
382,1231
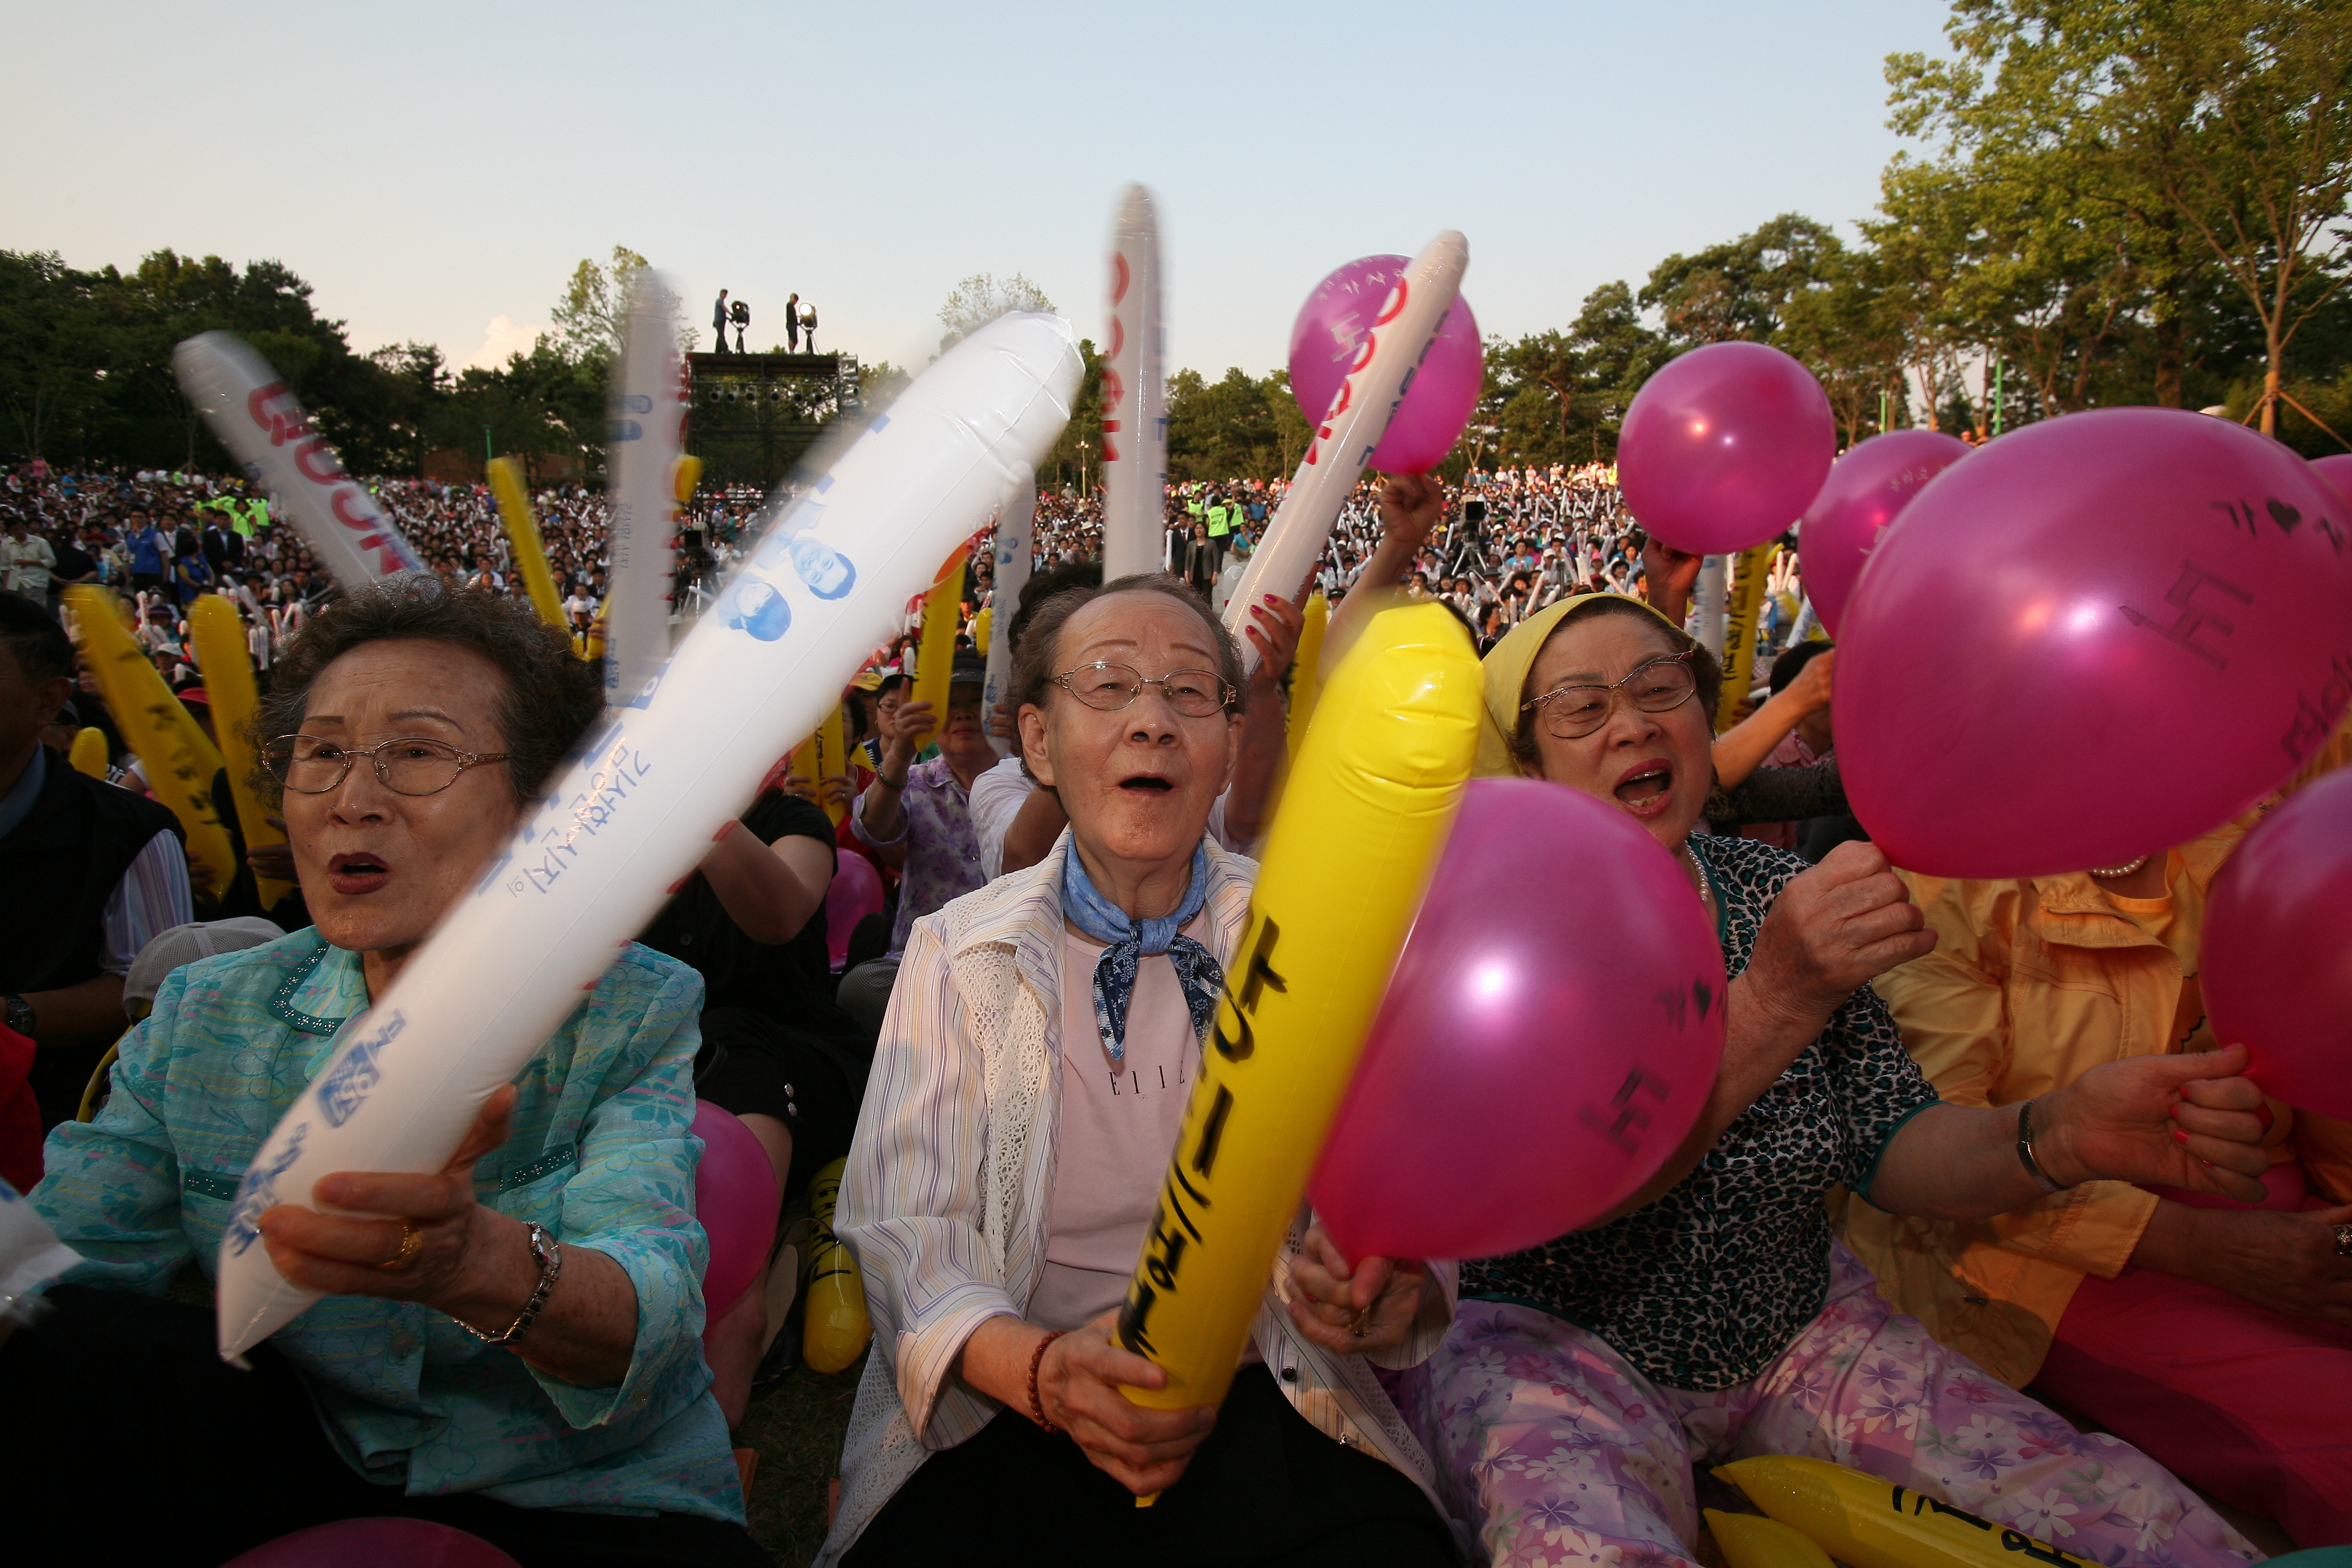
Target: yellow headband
x,y
1505,670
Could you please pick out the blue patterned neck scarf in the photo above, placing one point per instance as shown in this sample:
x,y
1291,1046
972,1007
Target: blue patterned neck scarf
x,y
1197,970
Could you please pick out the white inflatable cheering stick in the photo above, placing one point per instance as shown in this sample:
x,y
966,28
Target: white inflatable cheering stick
x,y
1343,442
618,828
248,407
643,431
1134,397
1016,537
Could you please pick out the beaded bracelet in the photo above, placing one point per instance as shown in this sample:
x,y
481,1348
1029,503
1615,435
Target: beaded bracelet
x,y
548,1254
1036,1360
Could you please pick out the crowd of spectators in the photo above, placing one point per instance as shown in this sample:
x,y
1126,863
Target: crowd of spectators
x,y
1867,1161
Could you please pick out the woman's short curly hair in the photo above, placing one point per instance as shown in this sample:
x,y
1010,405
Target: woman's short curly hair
x,y
552,698
1037,658
1703,666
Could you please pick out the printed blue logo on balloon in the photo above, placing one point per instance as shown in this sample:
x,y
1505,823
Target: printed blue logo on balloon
x,y
345,1086
756,607
256,1194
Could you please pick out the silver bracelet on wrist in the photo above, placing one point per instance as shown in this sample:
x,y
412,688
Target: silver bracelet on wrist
x,y
2025,1149
550,1253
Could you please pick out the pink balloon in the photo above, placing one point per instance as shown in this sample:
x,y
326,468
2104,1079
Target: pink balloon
x,y
1865,490
375,1544
2276,952
736,1199
1537,1057
1439,394
2096,638
1725,447
854,893
2337,472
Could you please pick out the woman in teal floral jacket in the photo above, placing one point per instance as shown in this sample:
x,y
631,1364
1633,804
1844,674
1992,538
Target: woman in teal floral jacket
x,y
515,1350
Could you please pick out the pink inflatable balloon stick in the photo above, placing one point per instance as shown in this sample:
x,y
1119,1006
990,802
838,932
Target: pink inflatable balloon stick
x,y
2276,957
1536,1060
1868,486
1725,447
1328,341
2095,639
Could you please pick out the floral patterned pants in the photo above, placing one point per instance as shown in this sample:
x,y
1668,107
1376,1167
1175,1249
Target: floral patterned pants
x,y
1556,1451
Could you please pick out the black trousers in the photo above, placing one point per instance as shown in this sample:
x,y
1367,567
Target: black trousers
x,y
1266,1488
120,1425
751,1064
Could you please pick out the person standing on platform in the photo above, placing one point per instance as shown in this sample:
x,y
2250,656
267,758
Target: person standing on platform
x,y
718,323
792,324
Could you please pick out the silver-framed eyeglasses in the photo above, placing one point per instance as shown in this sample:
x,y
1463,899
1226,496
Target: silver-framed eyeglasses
x,y
406,765
1572,712
1108,688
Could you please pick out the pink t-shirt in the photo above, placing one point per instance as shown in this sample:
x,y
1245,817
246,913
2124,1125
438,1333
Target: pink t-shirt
x,y
1118,1122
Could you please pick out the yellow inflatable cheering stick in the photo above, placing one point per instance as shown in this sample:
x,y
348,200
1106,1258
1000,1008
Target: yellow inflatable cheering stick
x,y
522,539
1753,566
178,761
836,1329
1350,850
818,758
1752,1540
1304,670
88,754
1870,1523
218,632
935,654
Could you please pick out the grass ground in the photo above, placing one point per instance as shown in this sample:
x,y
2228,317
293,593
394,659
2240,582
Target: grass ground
x,y
797,1427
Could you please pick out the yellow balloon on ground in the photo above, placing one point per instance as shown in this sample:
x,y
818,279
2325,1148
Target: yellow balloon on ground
x,y
1752,1540
1861,1519
1350,850
1305,668
836,1329
819,757
218,632
178,761
88,754
935,654
523,541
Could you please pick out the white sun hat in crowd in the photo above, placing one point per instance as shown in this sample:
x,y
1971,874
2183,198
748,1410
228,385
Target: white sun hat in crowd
x,y
185,944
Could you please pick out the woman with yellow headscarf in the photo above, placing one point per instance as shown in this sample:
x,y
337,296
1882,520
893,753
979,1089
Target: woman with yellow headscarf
x,y
1713,1316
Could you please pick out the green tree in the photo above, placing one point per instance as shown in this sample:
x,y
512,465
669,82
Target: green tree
x,y
1229,428
1741,289
2186,135
591,317
981,299
51,351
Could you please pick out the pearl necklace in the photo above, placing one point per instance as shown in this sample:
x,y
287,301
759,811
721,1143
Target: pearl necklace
x,y
2123,870
1698,880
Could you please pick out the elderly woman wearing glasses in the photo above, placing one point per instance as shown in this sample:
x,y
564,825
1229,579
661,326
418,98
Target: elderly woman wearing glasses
x,y
510,1346
1032,1071
1712,1316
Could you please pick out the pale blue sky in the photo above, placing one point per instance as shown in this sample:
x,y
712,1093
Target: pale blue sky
x,y
436,169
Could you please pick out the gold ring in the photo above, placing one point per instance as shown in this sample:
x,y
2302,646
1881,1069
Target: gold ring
x,y
412,1242
1361,1321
